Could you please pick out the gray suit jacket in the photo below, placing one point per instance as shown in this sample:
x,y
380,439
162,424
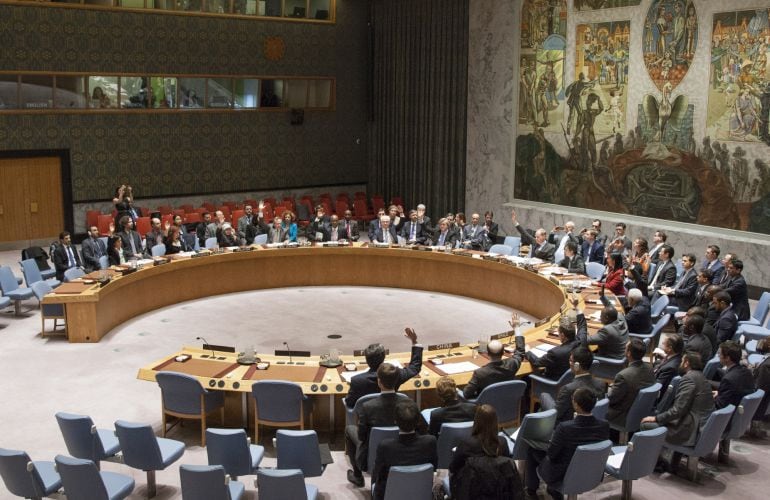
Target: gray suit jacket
x,y
693,403
624,389
686,288
611,338
92,249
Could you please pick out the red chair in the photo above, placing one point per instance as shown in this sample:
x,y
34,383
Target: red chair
x,y
166,218
359,194
179,212
186,209
164,209
267,213
327,204
340,207
378,202
360,211
270,201
143,226
192,218
201,210
290,204
210,207
254,203
144,211
237,214
279,210
103,222
396,200
92,218
230,204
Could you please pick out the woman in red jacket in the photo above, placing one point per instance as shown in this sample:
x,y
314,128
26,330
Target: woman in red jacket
x,y
614,279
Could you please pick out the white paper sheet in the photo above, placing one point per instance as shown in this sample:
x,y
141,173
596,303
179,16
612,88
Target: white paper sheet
x,y
616,460
460,367
349,375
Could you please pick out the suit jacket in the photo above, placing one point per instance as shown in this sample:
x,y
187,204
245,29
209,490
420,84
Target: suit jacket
x,y
574,265
366,383
327,232
654,251
92,249
419,232
471,447
492,231
638,318
611,338
127,237
624,389
316,226
244,222
379,235
762,378
61,260
693,403
459,411
374,225
556,361
567,436
701,344
666,276
665,371
406,449
491,373
739,293
700,298
475,239
717,268
544,251
686,288
354,232
736,383
450,238
564,409
727,324
593,252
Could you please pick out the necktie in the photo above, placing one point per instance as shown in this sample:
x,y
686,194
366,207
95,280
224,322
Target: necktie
x,y
657,273
682,280
386,236
334,234
98,245
70,257
441,240
413,233
133,243
348,230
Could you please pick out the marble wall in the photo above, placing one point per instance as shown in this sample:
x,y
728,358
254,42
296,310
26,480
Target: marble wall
x,y
492,101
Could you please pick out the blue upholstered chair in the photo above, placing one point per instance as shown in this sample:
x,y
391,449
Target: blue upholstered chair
x,y
350,413
84,440
707,439
144,451
11,289
104,262
760,311
277,484
208,482
299,450
514,242
653,337
658,307
639,459
25,478
73,273
82,480
232,449
540,384
500,249
184,397
279,404
711,367
607,368
753,332
260,239
536,430
4,302
211,243
595,270
376,435
505,398
585,470
414,482
158,250
449,437
740,421
55,312
32,274
641,407
600,409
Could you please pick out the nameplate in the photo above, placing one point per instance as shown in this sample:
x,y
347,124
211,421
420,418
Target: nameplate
x,y
360,352
554,281
292,353
501,335
243,249
542,322
447,345
200,254
220,348
159,261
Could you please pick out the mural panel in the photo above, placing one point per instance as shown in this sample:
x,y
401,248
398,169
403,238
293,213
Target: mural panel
x,y
604,4
669,40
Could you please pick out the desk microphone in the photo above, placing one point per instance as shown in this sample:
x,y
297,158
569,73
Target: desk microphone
x,y
449,352
206,342
288,349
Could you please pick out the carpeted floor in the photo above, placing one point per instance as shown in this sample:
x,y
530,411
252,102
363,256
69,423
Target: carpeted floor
x,y
41,377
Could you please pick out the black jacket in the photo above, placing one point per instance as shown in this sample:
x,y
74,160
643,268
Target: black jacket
x,y
366,383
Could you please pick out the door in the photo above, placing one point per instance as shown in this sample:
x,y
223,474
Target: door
x,y
31,201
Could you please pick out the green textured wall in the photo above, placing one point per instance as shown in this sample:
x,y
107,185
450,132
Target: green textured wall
x,y
178,153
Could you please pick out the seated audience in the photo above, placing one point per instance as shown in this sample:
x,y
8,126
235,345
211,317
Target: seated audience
x,y
592,249
277,232
132,242
665,272
713,264
93,248
227,236
425,220
738,290
452,409
115,251
628,382
581,360
737,380
614,279
666,366
413,231
727,324
620,234
683,293
474,234
762,377
712,314
397,219
290,224
556,361
215,227
497,370
65,255
539,246
694,339
201,228
638,317
333,231
444,234
572,262
611,338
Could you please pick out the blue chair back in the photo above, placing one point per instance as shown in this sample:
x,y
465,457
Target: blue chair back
x,y
104,262
500,249
450,436
600,409
181,393
80,478
230,449
679,269
204,482
19,479
260,239
712,365
642,454
414,482
536,427
8,281
376,435
659,326
211,243
505,398
657,307
139,445
158,250
514,242
651,271
41,289
80,436
277,400
760,311
73,273
743,415
350,413
31,272
277,484
713,430
607,368
642,406
586,469
595,270
299,450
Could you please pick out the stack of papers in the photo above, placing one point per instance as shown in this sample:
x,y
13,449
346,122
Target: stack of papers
x,y
349,375
459,367
616,460
540,350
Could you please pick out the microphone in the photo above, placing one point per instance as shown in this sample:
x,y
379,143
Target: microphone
x,y
206,342
288,349
449,352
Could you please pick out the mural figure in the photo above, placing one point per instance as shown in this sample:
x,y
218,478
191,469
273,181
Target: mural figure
x,y
670,38
604,4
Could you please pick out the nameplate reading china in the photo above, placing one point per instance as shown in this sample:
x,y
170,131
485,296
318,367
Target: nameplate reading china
x,y
439,347
502,335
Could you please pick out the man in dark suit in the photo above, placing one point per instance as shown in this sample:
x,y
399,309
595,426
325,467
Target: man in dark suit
x,y
638,317
444,234
727,324
350,225
552,465
374,224
93,248
539,246
667,366
572,262
665,272
334,231
65,255
704,281
658,240
414,232
495,371
581,360
592,249
738,290
366,383
726,259
491,228
737,380
628,382
694,339
425,220
611,337
386,233
377,412
683,293
409,448
132,242
474,234
556,361
713,264
315,229
452,409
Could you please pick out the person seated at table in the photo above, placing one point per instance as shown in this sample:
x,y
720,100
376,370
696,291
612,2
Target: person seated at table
x,y
611,338
665,272
491,228
132,242
366,383
581,359
374,224
452,408
551,465
174,242
484,450
290,223
397,219
444,235
592,249
200,229
65,255
474,234
635,279
215,227
727,323
539,246
154,236
334,231
409,448
115,251
227,236
413,231
572,262
737,380
92,248
497,370
556,361
315,229
628,382
386,233
614,278
277,232
666,365
351,227
638,319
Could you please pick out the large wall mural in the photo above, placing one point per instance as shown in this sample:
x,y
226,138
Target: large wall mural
x,y
603,4
677,160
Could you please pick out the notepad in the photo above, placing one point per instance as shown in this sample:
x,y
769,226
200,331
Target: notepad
x,y
349,375
460,367
616,460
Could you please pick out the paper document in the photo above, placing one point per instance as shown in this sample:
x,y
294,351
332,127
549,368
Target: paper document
x,y
349,375
537,352
460,367
545,347
616,460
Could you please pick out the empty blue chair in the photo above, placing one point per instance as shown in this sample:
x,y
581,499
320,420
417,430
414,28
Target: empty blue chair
x,y
55,312
211,243
740,422
641,407
82,480
595,270
639,459
600,409
144,451
514,242
658,307
414,482
707,439
653,337
4,302
158,250
449,437
505,398
185,398
299,450
760,312
753,332
84,440
585,470
232,449
73,273
25,478
279,404
32,274
376,435
500,249
104,262
260,239
277,484
540,385
208,482
536,430
607,368
711,367
11,289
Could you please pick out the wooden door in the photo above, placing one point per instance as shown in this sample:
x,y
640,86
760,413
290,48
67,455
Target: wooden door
x,y
31,202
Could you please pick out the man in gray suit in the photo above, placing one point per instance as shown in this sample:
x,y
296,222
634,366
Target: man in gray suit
x,y
276,233
92,248
611,337
628,382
